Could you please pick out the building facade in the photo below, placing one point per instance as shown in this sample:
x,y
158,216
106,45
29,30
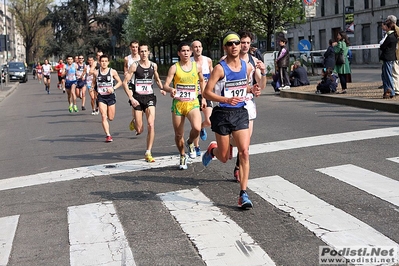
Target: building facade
x,y
12,46
361,19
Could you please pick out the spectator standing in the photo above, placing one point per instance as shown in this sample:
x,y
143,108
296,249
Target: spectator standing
x,y
395,67
388,56
254,51
298,76
341,47
329,56
283,62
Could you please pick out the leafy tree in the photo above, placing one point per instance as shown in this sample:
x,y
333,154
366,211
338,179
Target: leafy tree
x,y
266,18
170,21
28,15
79,28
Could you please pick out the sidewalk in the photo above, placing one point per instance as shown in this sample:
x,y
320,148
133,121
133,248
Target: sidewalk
x,y
361,95
7,90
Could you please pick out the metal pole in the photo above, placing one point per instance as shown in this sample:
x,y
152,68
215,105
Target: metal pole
x,y
311,45
343,15
5,30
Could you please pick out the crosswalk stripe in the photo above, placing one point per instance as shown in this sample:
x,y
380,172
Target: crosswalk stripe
x,y
394,159
323,140
332,225
96,236
375,184
171,160
8,226
219,240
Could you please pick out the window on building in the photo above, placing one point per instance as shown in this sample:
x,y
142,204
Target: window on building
x,y
380,32
336,7
382,3
322,8
366,4
323,39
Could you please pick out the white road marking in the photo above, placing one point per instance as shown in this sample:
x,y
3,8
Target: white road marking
x,y
394,159
323,140
167,161
375,184
332,225
219,240
8,226
96,236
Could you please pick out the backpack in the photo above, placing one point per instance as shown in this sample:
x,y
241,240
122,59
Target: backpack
x,y
350,56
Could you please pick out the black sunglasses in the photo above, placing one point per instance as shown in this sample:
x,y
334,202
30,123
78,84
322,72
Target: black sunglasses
x,y
81,58
233,42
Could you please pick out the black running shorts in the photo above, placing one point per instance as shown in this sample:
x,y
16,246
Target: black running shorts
x,y
226,120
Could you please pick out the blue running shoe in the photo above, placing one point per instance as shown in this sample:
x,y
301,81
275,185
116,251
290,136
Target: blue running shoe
x,y
198,151
244,202
203,134
207,157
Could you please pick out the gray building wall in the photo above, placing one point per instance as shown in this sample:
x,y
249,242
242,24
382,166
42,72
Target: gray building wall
x,y
330,19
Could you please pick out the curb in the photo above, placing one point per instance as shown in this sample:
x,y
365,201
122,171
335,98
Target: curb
x,y
4,94
380,105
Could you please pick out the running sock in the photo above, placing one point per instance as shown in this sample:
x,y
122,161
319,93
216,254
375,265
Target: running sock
x,y
238,161
242,192
148,152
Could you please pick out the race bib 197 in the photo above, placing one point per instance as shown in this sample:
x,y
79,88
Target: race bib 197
x,y
236,88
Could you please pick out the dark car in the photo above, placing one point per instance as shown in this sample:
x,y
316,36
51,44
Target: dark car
x,y
17,71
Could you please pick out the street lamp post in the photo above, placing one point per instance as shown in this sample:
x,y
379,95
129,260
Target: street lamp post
x,y
5,31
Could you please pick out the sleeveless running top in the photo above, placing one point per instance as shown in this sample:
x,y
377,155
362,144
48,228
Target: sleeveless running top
x,y
144,78
70,72
233,84
186,83
104,82
80,69
46,69
89,78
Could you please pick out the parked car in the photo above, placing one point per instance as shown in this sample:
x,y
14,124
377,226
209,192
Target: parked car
x,y
17,71
318,59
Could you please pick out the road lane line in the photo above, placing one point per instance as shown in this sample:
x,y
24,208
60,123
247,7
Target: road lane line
x,y
96,236
375,184
168,161
332,225
323,140
8,226
394,159
218,239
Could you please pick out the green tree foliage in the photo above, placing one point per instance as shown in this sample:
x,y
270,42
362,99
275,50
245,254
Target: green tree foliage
x,y
170,21
79,28
28,15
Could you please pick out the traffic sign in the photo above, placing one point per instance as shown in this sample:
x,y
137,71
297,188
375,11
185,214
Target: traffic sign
x,y
309,2
304,46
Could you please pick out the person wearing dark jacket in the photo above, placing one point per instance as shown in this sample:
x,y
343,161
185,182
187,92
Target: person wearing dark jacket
x,y
328,83
298,76
283,62
388,56
329,56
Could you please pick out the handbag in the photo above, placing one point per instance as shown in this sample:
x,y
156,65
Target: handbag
x,y
339,59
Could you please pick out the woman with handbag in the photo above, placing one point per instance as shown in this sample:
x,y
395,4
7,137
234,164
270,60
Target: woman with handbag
x,y
388,57
342,66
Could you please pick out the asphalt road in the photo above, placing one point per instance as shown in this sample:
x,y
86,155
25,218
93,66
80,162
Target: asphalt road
x,y
52,161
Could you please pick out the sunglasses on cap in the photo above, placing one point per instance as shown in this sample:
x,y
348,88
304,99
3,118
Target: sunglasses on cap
x,y
233,42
